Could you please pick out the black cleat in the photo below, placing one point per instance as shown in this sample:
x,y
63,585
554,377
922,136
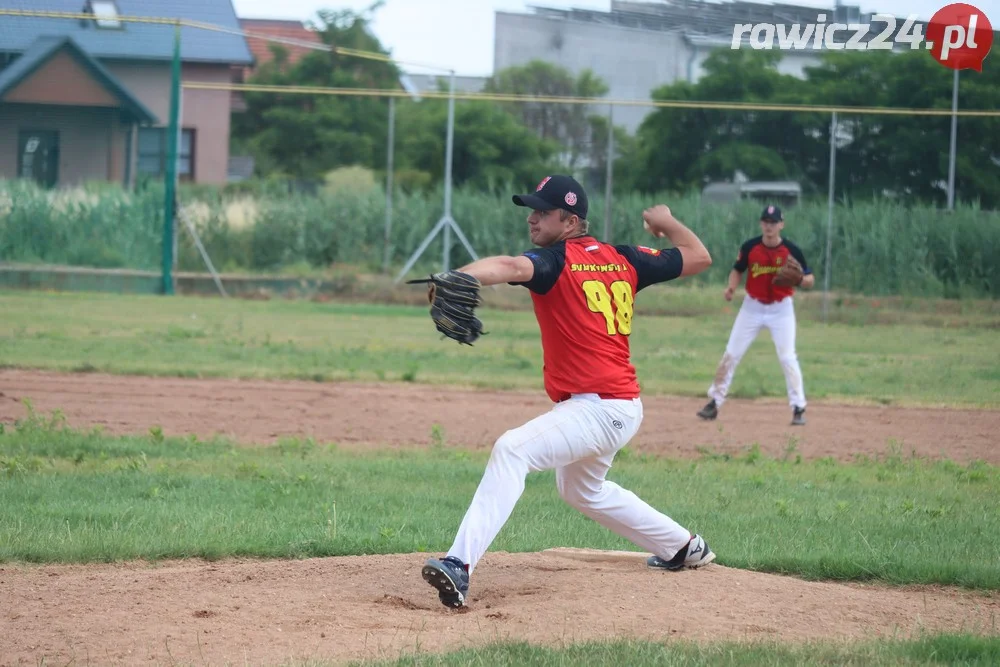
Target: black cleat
x,y
710,411
450,577
692,555
799,417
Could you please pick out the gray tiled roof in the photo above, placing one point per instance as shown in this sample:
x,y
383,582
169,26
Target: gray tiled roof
x,y
135,40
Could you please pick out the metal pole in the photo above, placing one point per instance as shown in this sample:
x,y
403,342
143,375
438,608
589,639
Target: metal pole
x,y
204,253
170,178
177,177
388,184
608,174
447,172
829,214
446,222
954,134
443,222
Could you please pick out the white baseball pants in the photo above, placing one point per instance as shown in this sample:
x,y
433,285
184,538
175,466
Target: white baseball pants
x,y
779,319
578,438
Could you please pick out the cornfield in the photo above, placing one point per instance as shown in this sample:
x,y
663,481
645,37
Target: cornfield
x,y
878,248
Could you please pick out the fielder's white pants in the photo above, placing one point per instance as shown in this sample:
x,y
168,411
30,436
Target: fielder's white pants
x,y
578,438
779,319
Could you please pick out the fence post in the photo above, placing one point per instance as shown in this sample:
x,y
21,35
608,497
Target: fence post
x,y
829,214
952,147
170,178
609,174
388,185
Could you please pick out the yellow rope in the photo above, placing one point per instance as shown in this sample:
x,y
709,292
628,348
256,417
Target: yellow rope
x,y
490,97
504,97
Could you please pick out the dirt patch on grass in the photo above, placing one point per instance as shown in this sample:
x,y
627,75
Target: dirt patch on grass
x,y
401,415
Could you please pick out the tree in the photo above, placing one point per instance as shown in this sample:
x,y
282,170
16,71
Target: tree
x,y
680,148
307,135
977,172
571,125
491,147
904,156
595,175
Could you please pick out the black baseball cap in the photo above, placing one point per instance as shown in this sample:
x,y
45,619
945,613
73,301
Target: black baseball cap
x,y
771,213
556,191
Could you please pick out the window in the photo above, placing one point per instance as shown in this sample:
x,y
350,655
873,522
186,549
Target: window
x,y
153,153
107,13
38,156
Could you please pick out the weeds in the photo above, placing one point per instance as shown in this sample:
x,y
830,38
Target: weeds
x,y
881,248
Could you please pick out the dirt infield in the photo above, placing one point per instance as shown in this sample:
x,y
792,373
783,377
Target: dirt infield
x,y
270,612
254,411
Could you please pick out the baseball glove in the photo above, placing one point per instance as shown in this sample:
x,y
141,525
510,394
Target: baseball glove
x,y
789,275
454,296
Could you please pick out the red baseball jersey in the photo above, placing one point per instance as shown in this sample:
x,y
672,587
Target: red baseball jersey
x,y
761,263
583,293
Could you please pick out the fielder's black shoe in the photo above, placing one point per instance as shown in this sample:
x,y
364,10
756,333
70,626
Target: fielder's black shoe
x,y
798,416
450,577
692,555
710,411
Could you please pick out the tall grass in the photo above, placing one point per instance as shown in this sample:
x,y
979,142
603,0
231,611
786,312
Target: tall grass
x,y
99,226
878,247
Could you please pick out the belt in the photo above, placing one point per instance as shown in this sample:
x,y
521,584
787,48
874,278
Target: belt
x,y
772,301
606,397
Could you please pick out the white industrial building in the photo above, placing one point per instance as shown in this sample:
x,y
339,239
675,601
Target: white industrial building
x,y
638,46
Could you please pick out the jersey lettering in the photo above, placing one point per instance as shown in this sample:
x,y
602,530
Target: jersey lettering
x,y
597,267
757,270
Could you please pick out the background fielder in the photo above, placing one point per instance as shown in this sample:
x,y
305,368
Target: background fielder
x,y
766,305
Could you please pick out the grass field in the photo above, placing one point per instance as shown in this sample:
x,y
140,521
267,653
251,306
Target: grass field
x,y
937,363
80,497
947,649
73,496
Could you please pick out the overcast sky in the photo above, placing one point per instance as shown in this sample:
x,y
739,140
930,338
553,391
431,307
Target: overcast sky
x,y
458,34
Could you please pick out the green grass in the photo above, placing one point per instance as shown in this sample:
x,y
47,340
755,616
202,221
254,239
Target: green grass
x,y
68,496
188,336
928,650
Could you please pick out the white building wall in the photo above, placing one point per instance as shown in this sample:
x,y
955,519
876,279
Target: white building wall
x,y
631,61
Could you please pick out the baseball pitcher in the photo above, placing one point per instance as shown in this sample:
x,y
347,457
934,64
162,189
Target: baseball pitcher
x,y
583,293
775,267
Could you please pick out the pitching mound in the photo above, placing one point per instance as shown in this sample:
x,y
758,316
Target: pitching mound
x,y
379,607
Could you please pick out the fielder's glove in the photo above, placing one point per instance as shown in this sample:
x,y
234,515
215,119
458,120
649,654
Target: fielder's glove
x,y
789,275
454,296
